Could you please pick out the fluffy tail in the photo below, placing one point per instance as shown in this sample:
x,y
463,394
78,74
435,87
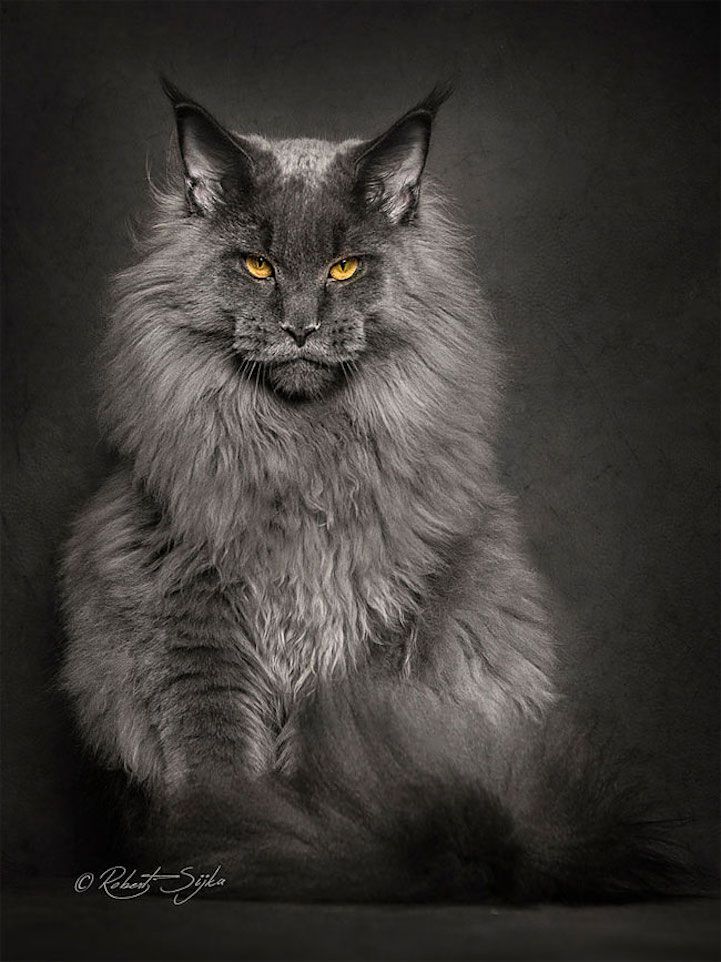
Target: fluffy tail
x,y
402,795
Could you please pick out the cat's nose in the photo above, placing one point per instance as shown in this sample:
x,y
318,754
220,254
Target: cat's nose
x,y
300,334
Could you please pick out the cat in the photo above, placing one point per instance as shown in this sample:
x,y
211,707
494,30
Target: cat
x,y
300,614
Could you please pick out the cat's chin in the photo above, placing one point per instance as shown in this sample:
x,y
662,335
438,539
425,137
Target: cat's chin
x,y
301,379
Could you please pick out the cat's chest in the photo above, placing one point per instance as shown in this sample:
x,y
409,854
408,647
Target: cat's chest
x,y
321,581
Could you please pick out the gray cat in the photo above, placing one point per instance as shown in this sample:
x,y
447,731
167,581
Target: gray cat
x,y
300,614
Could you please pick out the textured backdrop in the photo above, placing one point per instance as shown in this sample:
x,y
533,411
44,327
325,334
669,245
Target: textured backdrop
x,y
582,149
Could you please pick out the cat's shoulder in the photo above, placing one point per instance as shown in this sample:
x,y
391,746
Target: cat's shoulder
x,y
119,522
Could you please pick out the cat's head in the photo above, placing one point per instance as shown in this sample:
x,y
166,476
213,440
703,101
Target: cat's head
x,y
301,242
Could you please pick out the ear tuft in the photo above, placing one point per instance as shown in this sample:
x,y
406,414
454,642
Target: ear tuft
x,y
174,95
437,97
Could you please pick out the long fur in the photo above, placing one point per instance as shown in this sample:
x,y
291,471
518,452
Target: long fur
x,y
403,796
251,554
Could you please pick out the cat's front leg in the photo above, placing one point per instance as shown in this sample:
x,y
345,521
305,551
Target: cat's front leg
x,y
215,706
485,633
163,678
179,709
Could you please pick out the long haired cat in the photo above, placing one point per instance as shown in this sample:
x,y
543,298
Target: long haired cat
x,y
300,614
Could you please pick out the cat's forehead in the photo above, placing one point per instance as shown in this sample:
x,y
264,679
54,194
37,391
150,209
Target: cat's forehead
x,y
302,211
305,157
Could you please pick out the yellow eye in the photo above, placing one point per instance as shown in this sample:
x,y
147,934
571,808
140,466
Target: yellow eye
x,y
344,269
258,266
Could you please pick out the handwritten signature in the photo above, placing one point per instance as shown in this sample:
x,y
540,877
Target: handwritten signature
x,y
119,882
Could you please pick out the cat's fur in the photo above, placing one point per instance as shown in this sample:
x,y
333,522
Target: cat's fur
x,y
304,595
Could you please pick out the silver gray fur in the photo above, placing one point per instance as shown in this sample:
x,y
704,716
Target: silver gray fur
x,y
254,545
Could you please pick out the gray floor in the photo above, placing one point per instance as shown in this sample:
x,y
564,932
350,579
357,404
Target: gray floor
x,y
46,923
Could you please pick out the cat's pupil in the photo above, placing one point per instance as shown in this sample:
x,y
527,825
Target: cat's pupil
x,y
342,265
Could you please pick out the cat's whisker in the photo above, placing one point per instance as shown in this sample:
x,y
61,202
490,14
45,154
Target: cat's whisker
x,y
344,369
245,367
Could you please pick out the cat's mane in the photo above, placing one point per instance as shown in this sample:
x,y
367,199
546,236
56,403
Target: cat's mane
x,y
205,440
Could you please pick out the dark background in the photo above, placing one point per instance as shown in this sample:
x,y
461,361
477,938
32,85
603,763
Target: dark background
x,y
582,149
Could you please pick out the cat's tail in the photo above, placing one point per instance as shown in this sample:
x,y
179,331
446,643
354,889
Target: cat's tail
x,y
402,795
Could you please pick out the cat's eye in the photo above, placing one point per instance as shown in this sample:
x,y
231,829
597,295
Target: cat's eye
x,y
344,269
258,266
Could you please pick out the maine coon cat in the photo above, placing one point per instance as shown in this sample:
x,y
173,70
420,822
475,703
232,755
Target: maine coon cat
x,y
300,613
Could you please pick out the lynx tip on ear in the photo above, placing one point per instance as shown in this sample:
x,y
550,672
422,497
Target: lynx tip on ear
x,y
174,95
437,97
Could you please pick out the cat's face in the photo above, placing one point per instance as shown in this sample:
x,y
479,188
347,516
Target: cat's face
x,y
298,241
303,268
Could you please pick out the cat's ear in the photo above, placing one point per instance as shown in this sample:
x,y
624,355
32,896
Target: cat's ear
x,y
213,160
389,168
